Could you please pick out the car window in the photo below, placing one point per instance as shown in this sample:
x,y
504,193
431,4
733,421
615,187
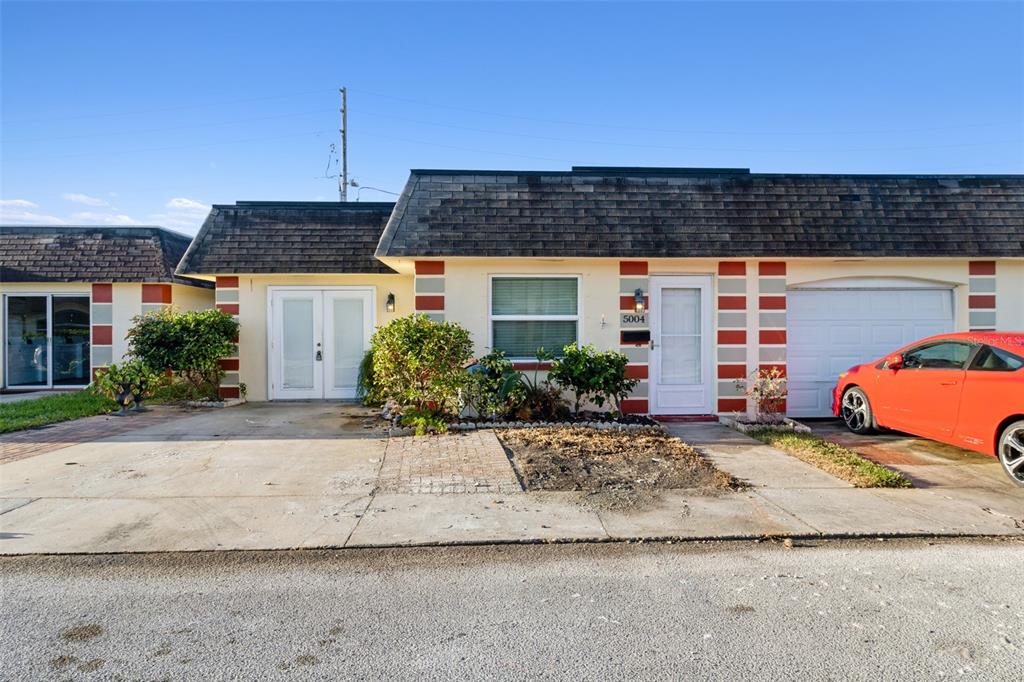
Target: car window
x,y
990,359
942,355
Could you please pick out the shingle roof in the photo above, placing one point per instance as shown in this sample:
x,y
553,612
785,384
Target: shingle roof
x,y
649,213
91,254
252,237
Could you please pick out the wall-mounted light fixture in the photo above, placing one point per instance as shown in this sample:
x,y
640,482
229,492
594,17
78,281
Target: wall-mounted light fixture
x,y
638,301
389,305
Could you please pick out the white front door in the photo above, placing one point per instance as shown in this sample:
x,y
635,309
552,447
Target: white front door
x,y
318,337
680,380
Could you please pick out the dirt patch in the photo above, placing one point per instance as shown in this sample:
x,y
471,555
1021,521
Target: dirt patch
x,y
82,633
613,469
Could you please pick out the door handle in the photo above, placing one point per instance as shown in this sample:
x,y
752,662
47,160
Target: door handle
x,y
319,356
947,383
651,344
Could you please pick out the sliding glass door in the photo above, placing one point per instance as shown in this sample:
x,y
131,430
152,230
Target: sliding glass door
x,y
46,341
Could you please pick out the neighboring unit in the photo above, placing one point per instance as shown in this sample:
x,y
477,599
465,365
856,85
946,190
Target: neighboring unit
x,y
69,295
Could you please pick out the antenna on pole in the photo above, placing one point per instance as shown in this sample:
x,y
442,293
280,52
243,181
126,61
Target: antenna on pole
x,y
343,177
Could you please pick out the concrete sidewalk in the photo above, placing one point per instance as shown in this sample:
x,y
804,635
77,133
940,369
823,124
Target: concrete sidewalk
x,y
297,476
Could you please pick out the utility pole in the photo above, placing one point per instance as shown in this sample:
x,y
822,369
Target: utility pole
x,y
343,177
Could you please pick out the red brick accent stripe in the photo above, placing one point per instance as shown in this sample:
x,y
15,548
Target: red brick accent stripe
x,y
772,336
229,364
156,293
430,267
732,404
430,303
634,405
629,303
228,392
732,268
633,267
984,301
102,334
636,371
982,267
227,282
732,371
102,293
531,366
769,367
732,302
771,269
772,302
229,308
732,337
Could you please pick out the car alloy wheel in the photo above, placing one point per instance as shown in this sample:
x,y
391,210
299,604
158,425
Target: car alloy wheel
x,y
1011,452
855,411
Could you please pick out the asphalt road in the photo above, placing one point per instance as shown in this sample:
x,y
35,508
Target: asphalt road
x,y
870,610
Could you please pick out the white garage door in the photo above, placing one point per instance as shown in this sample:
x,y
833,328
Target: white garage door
x,y
828,331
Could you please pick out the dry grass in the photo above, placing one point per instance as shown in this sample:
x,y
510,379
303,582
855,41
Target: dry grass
x,y
613,468
833,458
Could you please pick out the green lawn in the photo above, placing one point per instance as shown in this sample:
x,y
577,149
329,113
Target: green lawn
x,y
833,458
59,407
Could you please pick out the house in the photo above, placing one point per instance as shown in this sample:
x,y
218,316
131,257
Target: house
x,y
700,276
69,295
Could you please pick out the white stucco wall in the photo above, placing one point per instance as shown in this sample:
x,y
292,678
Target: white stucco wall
x,y
253,308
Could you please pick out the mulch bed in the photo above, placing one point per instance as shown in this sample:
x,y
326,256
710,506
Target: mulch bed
x,y
611,468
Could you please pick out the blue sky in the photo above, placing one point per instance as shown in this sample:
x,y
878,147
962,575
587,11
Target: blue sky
x,y
123,113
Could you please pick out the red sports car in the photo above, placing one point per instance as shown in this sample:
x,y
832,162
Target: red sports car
x,y
964,389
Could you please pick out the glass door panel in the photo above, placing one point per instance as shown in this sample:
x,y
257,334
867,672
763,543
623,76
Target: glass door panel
x,y
298,339
27,341
680,337
347,316
71,341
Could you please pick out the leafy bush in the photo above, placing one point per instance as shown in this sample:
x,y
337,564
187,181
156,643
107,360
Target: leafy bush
x,y
767,388
424,421
541,400
420,364
190,343
587,373
130,382
366,385
493,388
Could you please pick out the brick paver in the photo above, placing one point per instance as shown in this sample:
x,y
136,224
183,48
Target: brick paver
x,y
471,462
21,444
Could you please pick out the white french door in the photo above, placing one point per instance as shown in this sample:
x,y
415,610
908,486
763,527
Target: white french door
x,y
680,378
317,340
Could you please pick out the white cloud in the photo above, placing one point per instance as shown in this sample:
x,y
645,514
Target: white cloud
x,y
18,217
187,205
18,203
84,199
104,218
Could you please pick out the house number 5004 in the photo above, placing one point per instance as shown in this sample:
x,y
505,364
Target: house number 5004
x,y
634,318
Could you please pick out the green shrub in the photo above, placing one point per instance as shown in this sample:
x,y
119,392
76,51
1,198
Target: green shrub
x,y
420,364
424,421
366,385
493,388
541,400
130,382
589,374
190,343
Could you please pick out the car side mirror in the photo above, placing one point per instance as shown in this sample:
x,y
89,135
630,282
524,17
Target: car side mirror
x,y
894,361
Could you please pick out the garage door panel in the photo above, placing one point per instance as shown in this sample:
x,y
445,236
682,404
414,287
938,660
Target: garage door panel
x,y
831,330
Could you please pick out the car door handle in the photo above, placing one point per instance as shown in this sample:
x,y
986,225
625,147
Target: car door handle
x,y
948,383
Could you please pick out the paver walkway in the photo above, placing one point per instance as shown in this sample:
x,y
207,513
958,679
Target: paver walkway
x,y
21,444
472,462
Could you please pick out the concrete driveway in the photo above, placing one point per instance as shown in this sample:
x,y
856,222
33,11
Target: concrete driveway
x,y
928,463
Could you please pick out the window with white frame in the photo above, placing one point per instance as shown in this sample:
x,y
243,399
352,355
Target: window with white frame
x,y
528,313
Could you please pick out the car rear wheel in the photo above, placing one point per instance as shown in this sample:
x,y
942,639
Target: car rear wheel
x,y
856,411
1011,451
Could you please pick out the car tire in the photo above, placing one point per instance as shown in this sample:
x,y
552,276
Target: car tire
x,y
1011,451
855,411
